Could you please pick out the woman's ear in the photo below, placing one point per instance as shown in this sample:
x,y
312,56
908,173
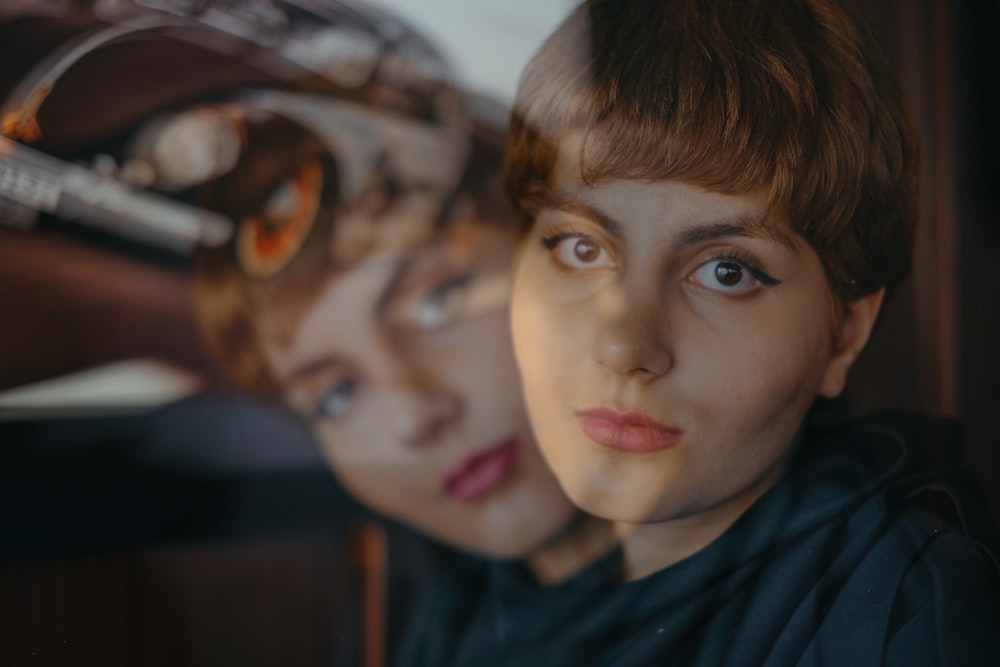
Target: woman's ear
x,y
851,339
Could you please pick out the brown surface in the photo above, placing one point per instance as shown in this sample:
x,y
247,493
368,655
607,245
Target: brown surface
x,y
68,306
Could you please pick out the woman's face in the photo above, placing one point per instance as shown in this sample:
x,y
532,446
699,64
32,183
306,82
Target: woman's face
x,y
404,366
670,345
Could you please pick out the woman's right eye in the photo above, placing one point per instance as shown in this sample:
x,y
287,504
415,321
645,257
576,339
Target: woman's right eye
x,y
578,251
338,399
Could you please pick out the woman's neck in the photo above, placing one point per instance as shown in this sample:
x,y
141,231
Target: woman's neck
x,y
651,547
583,542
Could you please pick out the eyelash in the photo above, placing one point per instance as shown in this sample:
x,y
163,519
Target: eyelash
x,y
446,286
551,240
748,263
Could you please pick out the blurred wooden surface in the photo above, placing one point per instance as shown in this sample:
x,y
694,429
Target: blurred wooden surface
x,y
68,305
266,603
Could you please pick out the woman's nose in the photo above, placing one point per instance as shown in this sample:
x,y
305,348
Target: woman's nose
x,y
632,336
420,414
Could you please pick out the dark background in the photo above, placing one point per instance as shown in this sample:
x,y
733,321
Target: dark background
x,y
938,347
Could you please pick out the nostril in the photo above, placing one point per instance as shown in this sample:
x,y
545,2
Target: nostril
x,y
627,357
632,338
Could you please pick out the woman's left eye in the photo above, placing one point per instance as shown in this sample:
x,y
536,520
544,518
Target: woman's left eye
x,y
577,251
730,276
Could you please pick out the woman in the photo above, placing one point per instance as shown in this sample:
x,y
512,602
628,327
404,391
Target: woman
x,y
712,219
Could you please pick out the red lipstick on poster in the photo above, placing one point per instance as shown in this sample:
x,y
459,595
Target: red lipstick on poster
x,y
479,473
628,430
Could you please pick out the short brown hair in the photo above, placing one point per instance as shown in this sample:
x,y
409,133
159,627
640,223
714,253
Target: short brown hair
x,y
793,97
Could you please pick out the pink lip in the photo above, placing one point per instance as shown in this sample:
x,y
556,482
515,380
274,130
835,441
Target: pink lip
x,y
479,473
628,430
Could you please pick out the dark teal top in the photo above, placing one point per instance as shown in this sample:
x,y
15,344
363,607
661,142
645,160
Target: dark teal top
x,y
874,549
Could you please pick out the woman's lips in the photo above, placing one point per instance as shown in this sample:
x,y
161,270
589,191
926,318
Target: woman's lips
x,y
479,473
627,430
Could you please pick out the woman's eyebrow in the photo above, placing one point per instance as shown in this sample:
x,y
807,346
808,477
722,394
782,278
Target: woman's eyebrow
x,y
311,368
746,226
606,222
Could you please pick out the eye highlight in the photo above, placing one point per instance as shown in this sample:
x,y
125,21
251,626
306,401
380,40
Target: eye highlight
x,y
578,251
732,274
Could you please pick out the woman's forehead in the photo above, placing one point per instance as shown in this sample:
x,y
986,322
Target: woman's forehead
x,y
573,184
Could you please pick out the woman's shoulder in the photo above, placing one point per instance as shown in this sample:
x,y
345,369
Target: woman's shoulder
x,y
946,610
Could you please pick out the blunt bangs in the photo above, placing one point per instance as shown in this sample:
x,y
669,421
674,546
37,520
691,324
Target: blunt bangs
x,y
784,97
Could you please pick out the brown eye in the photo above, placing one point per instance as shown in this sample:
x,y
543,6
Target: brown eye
x,y
577,251
729,277
728,274
586,251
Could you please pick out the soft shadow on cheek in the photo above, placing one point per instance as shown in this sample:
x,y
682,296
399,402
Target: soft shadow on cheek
x,y
524,320
538,331
788,387
734,366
